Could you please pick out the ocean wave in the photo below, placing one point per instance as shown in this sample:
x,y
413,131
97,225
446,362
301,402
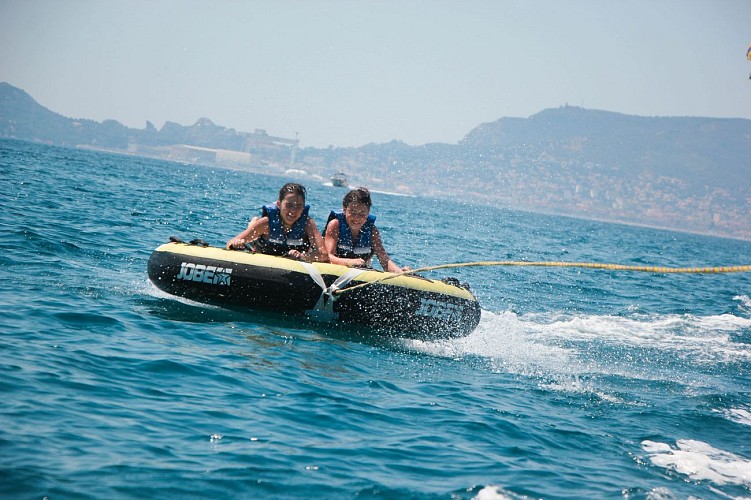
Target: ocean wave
x,y
700,461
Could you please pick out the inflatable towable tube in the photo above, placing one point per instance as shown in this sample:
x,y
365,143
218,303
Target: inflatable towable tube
x,y
409,306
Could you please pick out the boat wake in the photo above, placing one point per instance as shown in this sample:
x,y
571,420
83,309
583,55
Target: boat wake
x,y
538,338
559,349
619,360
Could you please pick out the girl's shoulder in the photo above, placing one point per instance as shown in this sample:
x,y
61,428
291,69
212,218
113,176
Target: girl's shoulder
x,y
332,223
310,223
259,223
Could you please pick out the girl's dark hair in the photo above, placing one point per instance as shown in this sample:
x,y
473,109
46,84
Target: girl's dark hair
x,y
294,188
358,195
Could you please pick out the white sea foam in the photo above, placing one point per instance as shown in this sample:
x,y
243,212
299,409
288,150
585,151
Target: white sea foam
x,y
745,302
738,415
506,341
149,288
564,353
700,461
536,339
491,493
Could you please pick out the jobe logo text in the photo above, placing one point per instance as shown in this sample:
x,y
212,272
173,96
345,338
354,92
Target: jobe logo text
x,y
205,274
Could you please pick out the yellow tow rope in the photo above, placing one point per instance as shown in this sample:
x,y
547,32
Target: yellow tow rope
x,y
587,265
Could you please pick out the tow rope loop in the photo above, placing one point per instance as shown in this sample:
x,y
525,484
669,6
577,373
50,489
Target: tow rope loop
x,y
587,265
326,300
313,272
344,280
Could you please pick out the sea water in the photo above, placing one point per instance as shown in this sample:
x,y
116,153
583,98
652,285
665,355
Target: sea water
x,y
578,383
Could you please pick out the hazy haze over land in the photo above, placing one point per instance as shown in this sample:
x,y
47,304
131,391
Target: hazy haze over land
x,y
348,73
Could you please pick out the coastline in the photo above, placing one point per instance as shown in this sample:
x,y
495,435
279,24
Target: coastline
x,y
279,171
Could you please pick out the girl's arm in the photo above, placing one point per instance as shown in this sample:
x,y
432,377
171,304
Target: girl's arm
x,y
317,251
383,257
257,227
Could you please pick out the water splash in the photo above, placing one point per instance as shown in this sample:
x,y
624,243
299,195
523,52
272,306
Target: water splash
x,y
700,461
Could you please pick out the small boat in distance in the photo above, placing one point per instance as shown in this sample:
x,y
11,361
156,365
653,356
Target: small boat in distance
x,y
339,180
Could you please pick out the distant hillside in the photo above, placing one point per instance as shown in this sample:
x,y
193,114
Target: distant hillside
x,y
684,173
21,117
700,151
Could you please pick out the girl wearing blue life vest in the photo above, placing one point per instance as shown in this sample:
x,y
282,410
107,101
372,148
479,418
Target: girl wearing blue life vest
x,y
351,237
284,228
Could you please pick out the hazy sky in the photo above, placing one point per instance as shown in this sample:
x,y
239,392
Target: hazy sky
x,y
347,73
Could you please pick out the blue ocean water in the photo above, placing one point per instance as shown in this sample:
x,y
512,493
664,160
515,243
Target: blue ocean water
x,y
577,383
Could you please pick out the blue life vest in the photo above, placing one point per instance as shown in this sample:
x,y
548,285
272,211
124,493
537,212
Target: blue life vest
x,y
278,242
345,247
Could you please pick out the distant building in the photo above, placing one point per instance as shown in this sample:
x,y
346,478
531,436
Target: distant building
x,y
195,154
261,141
